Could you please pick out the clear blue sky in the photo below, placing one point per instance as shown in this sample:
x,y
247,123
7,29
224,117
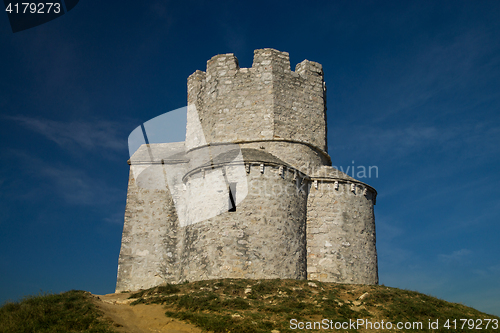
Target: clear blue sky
x,y
413,88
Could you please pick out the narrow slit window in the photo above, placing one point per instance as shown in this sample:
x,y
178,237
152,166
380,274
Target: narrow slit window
x,y
232,197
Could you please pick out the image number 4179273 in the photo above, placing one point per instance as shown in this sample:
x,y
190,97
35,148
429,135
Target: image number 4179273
x,y
26,15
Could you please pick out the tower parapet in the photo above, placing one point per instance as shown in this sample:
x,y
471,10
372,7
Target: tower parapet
x,y
262,106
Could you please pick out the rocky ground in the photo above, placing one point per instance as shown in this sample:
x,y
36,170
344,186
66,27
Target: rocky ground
x,y
140,318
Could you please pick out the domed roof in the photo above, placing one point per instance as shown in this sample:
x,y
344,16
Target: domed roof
x,y
232,156
329,172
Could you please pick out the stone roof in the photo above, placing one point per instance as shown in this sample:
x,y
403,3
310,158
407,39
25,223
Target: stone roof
x,y
329,172
259,155
249,155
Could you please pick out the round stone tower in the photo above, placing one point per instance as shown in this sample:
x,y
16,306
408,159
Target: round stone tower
x,y
259,229
341,229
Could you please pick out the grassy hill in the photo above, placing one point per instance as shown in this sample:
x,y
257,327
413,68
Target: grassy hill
x,y
72,311
239,305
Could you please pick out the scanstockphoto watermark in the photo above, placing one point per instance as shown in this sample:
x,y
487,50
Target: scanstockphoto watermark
x,y
327,324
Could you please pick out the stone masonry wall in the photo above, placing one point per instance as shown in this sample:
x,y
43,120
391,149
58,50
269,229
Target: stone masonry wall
x,y
341,233
149,242
263,238
232,103
267,102
299,102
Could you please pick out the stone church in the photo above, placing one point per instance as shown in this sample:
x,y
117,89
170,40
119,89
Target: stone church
x,y
250,192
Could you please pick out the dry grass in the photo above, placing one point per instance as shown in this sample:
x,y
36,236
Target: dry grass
x,y
238,305
71,311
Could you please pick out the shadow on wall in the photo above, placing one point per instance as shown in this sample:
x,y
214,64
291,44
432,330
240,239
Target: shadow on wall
x,y
159,161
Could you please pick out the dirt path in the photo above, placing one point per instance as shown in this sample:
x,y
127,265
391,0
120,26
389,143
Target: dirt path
x,y
139,318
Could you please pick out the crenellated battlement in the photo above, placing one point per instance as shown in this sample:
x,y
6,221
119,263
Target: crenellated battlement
x,y
265,60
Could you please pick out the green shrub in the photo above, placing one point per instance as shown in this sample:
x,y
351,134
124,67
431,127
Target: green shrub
x,y
72,311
